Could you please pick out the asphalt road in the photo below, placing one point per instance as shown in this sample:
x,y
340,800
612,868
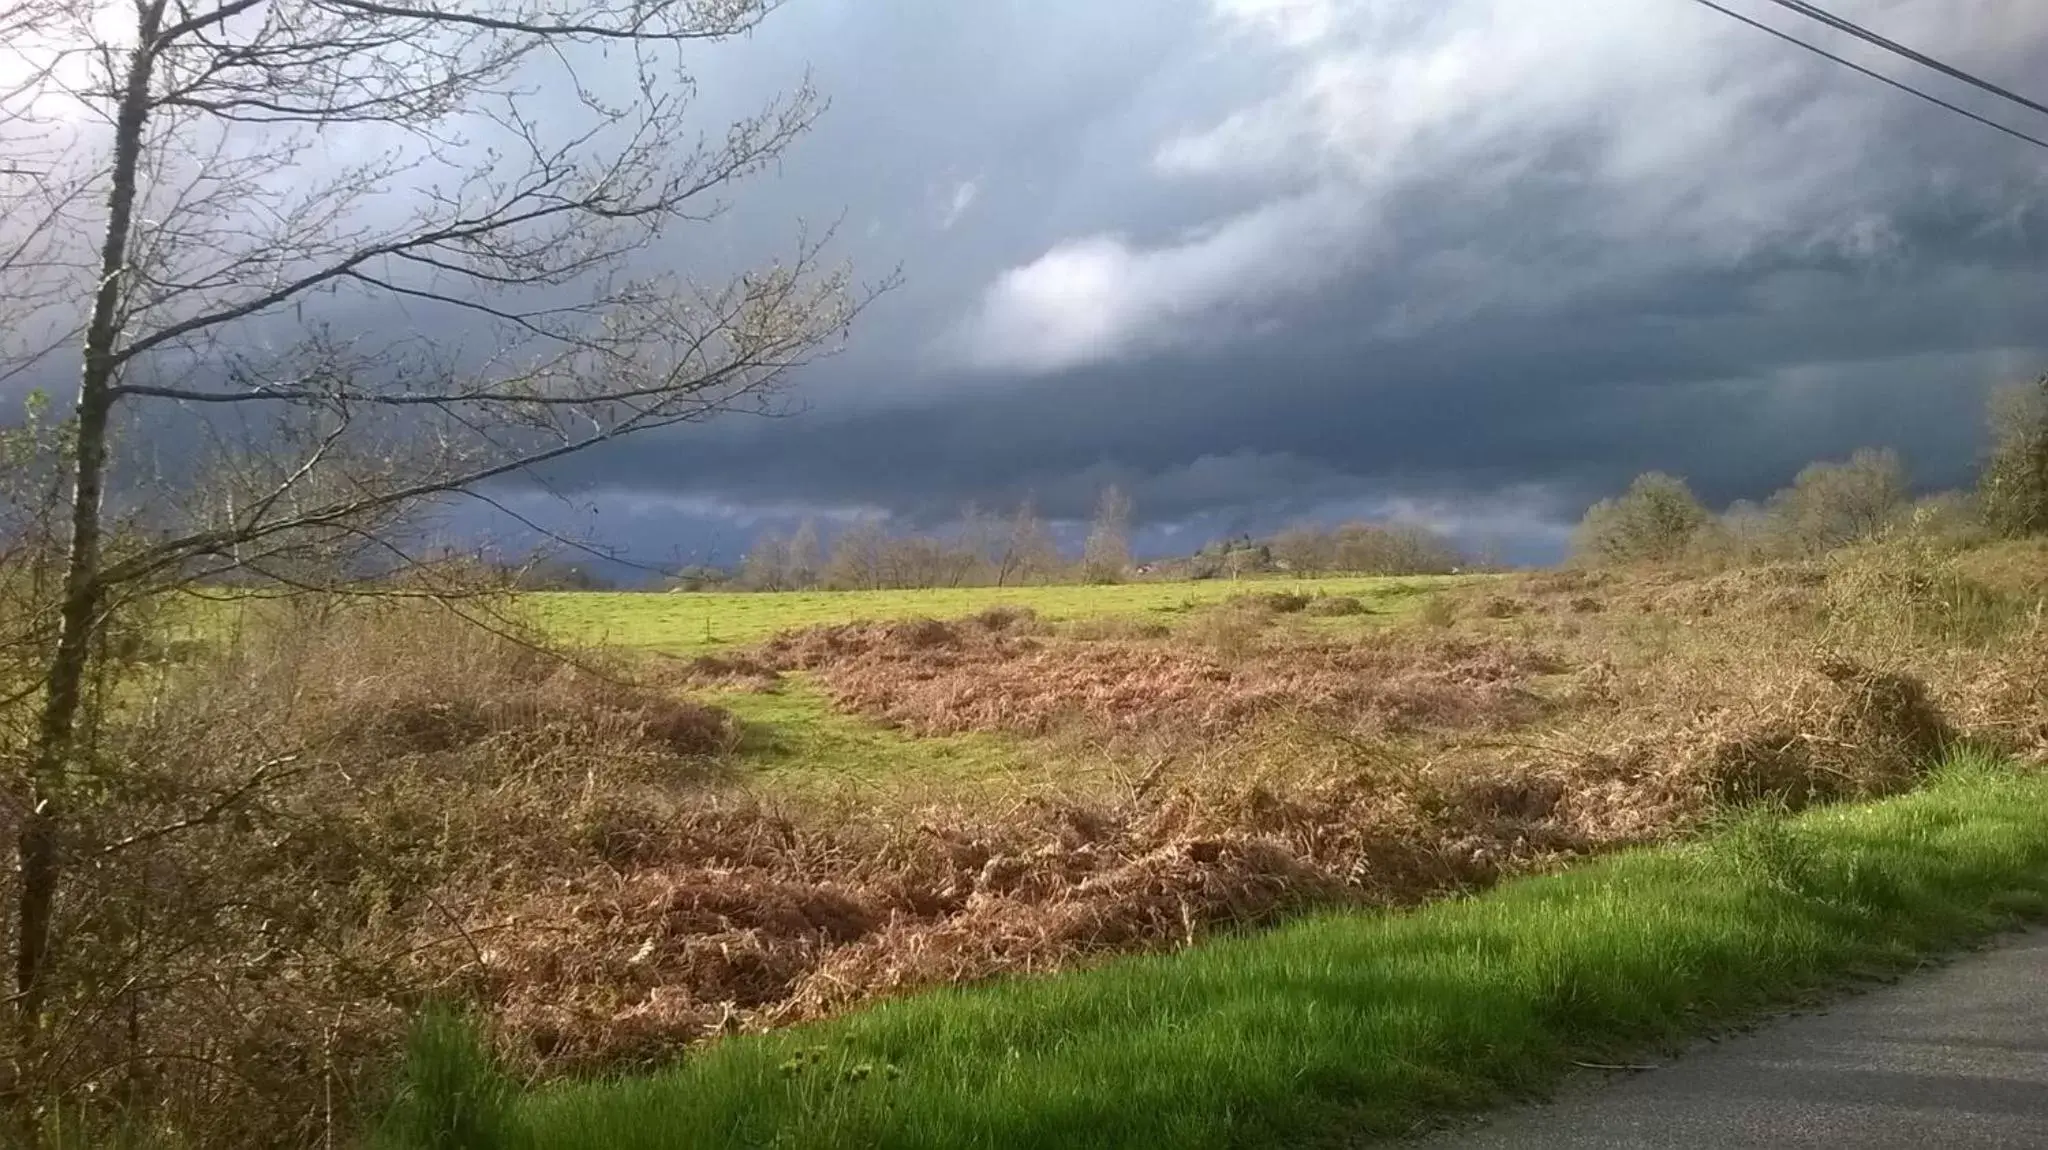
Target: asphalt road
x,y
1948,1059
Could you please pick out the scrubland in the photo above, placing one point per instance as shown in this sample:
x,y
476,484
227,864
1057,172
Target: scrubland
x,y
609,857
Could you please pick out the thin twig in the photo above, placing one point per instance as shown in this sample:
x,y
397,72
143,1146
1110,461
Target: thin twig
x,y
475,951
219,807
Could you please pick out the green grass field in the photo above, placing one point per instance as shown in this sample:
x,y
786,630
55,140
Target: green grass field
x,y
796,742
690,622
1333,1028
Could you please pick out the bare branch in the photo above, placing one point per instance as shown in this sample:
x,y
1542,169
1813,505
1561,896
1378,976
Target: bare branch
x,y
321,268
647,20
268,772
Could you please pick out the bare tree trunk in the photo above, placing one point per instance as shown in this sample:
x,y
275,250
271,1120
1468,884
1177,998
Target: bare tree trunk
x,y
80,603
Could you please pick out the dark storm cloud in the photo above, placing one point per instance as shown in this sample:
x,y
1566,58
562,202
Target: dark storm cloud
x,y
1736,379
1472,263
1264,258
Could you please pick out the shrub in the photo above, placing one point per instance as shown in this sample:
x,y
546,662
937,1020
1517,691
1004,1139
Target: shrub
x,y
2013,489
1655,520
1830,505
1904,592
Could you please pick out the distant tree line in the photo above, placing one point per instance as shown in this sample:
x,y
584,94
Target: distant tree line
x,y
1365,549
1835,503
551,573
989,549
981,549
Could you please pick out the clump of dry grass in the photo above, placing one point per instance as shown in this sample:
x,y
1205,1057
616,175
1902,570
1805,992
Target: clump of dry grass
x,y
1275,602
1502,607
390,717
1439,610
726,670
1568,581
686,947
1006,619
928,640
1336,606
1910,596
2015,567
808,917
1999,696
1233,631
1872,734
1213,851
1116,628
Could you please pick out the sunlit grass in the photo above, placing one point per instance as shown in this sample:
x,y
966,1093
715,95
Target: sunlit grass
x,y
687,622
796,742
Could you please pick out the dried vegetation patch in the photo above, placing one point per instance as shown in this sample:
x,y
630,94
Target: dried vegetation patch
x,y
300,810
756,917
939,678
1389,769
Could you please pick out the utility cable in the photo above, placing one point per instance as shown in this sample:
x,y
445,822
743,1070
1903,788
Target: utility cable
x,y
1874,74
1813,12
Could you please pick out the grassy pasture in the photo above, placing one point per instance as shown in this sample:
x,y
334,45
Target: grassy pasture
x,y
796,742
690,622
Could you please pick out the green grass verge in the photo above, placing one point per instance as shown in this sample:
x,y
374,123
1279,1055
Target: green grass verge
x,y
706,621
1343,1026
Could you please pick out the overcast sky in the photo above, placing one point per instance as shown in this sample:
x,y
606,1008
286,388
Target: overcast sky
x,y
1469,262
1472,261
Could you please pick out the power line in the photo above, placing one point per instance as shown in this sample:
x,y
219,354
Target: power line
x,y
1874,74
1842,24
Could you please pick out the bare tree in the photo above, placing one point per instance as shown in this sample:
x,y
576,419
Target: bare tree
x,y
921,562
233,207
957,555
766,565
805,558
860,558
1028,550
1107,553
982,542
1305,549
